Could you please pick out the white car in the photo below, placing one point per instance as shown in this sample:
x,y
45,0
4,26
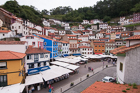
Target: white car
x,y
108,79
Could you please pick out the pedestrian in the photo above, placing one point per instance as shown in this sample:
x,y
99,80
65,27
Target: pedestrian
x,y
77,71
85,65
113,63
52,89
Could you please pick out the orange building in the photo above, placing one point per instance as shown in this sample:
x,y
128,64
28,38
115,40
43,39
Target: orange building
x,y
11,67
99,47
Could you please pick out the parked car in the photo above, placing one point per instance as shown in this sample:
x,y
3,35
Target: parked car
x,y
108,79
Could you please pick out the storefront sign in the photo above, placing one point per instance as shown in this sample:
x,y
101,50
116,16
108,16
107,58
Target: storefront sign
x,y
37,70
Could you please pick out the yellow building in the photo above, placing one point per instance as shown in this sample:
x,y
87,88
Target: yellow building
x,y
11,67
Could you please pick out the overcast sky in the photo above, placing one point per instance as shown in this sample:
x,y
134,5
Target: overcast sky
x,y
50,4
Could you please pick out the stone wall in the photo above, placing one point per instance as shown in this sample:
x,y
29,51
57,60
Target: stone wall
x,y
132,68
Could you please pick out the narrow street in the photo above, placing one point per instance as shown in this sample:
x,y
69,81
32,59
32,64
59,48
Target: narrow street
x,y
82,71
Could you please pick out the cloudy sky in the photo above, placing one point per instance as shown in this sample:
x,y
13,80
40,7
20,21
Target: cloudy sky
x,y
50,4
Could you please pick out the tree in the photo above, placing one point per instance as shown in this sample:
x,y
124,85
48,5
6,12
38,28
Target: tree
x,y
136,8
106,18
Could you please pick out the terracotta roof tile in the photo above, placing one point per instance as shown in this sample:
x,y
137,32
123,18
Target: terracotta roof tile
x,y
124,49
75,31
63,41
4,31
46,37
71,35
135,37
107,33
7,55
12,42
32,50
83,36
100,87
84,47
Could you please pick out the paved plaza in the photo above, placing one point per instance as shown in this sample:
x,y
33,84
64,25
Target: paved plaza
x,y
58,87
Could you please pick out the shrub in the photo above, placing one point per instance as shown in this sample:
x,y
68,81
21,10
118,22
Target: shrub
x,y
135,87
123,90
128,89
130,84
71,84
87,75
106,66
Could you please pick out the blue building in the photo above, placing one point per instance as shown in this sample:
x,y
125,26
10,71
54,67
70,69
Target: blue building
x,y
50,45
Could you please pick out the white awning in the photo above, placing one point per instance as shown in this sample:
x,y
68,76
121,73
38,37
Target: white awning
x,y
33,79
22,86
60,63
11,89
73,67
50,74
61,70
67,60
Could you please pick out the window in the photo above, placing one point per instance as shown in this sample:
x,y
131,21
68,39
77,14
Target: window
x,y
95,45
19,27
121,66
29,57
3,80
102,45
63,44
12,27
42,55
46,56
44,63
31,65
33,43
99,49
102,50
3,65
45,43
99,45
53,43
3,34
95,50
39,64
53,49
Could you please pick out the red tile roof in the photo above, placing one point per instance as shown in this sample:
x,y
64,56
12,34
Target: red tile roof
x,y
107,33
83,36
118,33
32,50
84,47
100,87
72,38
7,55
4,31
135,37
75,32
46,37
124,49
12,42
71,35
57,37
63,41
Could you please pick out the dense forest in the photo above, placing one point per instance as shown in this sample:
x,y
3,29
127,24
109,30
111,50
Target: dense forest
x,y
106,10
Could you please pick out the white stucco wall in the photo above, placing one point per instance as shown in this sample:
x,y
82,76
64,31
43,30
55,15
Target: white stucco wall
x,y
120,74
132,42
15,48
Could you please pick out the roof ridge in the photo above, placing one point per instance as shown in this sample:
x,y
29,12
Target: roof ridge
x,y
12,52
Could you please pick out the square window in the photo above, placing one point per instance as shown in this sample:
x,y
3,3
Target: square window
x,y
29,57
33,43
42,55
3,65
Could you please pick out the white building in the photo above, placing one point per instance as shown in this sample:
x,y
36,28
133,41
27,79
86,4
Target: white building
x,y
95,21
16,46
85,50
91,36
99,35
83,37
18,26
81,28
85,22
33,40
76,33
65,48
84,43
62,32
1,23
128,61
6,34
36,58
46,23
103,26
67,27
